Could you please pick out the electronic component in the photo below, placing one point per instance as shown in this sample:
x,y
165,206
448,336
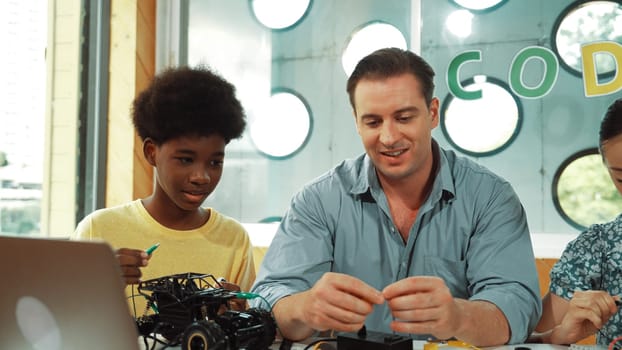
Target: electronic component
x,y
370,340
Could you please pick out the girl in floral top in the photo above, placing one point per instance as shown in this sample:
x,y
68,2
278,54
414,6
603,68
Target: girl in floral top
x,y
586,282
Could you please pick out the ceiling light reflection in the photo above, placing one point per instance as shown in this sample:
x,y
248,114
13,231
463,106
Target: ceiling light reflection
x,y
279,14
459,23
369,38
477,4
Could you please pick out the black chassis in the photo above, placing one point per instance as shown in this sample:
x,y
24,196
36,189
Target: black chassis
x,y
193,310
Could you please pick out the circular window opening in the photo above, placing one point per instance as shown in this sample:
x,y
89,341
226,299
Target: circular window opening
x,y
483,126
367,39
283,125
586,22
583,193
479,5
279,14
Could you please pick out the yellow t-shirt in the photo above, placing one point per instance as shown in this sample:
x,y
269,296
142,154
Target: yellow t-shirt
x,y
221,247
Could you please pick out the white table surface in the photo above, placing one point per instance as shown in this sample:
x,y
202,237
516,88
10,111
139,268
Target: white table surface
x,y
418,345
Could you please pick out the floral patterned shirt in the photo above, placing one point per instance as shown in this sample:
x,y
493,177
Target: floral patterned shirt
x,y
593,261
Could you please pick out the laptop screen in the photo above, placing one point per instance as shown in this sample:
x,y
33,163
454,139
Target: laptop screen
x,y
59,294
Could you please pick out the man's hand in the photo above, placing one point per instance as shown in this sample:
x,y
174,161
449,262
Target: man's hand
x,y
588,311
339,302
423,305
130,261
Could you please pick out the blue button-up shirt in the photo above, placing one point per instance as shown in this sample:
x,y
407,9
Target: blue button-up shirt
x,y
471,231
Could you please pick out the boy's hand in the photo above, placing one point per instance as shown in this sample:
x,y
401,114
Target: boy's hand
x,y
236,304
130,261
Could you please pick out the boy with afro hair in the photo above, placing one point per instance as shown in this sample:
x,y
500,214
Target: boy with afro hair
x,y
185,119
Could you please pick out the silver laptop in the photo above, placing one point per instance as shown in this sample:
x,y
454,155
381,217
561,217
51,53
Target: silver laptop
x,y
59,294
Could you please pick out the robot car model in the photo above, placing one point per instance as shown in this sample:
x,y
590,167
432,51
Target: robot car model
x,y
193,310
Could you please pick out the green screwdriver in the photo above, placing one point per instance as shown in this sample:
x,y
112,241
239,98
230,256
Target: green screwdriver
x,y
152,248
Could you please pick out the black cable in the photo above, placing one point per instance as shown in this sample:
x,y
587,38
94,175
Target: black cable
x,y
145,342
286,344
133,302
319,341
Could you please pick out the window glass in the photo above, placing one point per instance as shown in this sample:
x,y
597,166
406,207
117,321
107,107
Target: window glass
x,y
483,126
279,14
583,192
586,22
370,37
299,66
23,29
283,125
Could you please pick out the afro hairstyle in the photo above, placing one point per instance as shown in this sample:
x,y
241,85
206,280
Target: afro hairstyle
x,y
184,101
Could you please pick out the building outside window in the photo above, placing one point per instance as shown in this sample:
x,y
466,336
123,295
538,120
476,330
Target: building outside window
x,y
23,36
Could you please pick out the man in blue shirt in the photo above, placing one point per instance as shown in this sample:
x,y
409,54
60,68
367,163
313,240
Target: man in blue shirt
x,y
408,237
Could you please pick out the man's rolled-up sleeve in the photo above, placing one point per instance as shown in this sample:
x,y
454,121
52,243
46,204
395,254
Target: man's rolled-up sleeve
x,y
502,267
